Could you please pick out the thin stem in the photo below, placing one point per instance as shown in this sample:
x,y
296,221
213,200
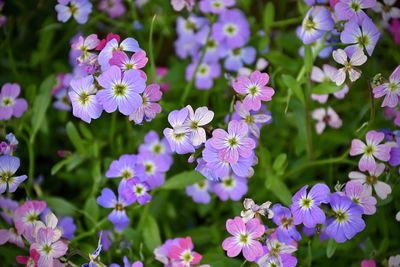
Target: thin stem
x,y
91,232
151,52
191,82
244,263
308,120
112,127
286,22
31,170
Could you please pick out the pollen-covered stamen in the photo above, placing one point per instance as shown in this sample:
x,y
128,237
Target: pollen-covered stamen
x,y
253,90
249,119
232,142
369,150
31,217
46,249
244,239
119,207
73,8
371,180
157,148
341,216
356,200
203,70
306,203
217,4
363,40
236,51
119,89
83,98
139,190
201,185
127,173
286,222
309,24
393,87
149,167
211,44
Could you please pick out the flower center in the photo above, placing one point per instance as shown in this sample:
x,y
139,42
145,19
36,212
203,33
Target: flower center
x,y
178,136
253,90
129,66
371,180
237,51
217,4
202,185
249,119
149,167
341,216
393,87
286,222
327,118
126,174
355,5
244,239
47,249
229,182
190,25
203,70
230,29
7,101
139,190
232,142
211,44
73,8
32,217
309,24
119,207
83,98
363,40
194,125
65,100
348,66
356,200
187,256
6,177
369,150
157,149
306,203
119,89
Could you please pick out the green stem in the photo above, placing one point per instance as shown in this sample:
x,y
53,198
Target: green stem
x,y
90,232
151,52
308,119
244,263
112,127
191,82
286,22
31,170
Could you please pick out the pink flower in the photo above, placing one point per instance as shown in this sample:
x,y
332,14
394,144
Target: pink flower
x,y
195,120
254,89
178,5
244,238
371,181
11,236
394,28
182,253
390,90
31,260
393,113
136,62
357,59
326,116
26,216
149,108
368,263
233,143
371,150
48,248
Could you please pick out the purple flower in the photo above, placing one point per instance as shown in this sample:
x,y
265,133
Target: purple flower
x,y
316,23
135,190
79,9
207,172
361,196
8,206
67,227
83,46
232,29
217,163
254,89
395,154
353,9
114,8
62,100
205,74
313,2
244,238
215,6
364,37
253,120
356,59
305,206
121,90
8,166
326,116
153,144
154,169
129,44
234,143
149,108
390,90
277,254
127,166
284,220
371,150
179,136
118,216
178,5
215,50
10,105
85,104
136,62
347,221
186,46
237,57
230,187
187,27
200,192
201,117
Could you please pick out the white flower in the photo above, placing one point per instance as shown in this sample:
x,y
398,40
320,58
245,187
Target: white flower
x,y
394,261
252,209
326,116
357,59
201,117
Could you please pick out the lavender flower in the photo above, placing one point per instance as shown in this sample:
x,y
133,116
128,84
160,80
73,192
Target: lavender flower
x,y
179,137
361,196
153,144
390,90
149,108
284,220
135,190
199,192
201,117
326,117
388,9
79,9
237,57
114,8
305,206
205,74
230,187
178,5
8,166
154,169
254,120
121,90
356,59
215,6
129,44
347,221
127,166
252,210
10,105
316,23
353,9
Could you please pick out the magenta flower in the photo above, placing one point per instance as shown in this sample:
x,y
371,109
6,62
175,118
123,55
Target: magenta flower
x,y
79,9
149,108
182,253
31,260
371,180
254,89
347,221
390,90
136,62
48,246
106,53
244,238
10,105
8,166
233,143
357,59
215,6
371,150
121,90
326,117
85,104
353,9
361,196
316,23
26,217
305,206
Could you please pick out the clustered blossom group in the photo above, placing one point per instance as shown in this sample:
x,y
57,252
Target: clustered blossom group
x,y
140,174
107,76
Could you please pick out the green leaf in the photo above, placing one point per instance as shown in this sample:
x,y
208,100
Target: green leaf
x,y
326,88
151,233
75,137
279,163
279,59
268,16
331,248
291,83
91,209
60,206
40,105
183,179
59,165
279,188
308,58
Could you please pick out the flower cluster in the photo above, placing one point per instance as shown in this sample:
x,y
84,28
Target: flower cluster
x,y
35,225
207,42
107,76
178,252
140,173
335,215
